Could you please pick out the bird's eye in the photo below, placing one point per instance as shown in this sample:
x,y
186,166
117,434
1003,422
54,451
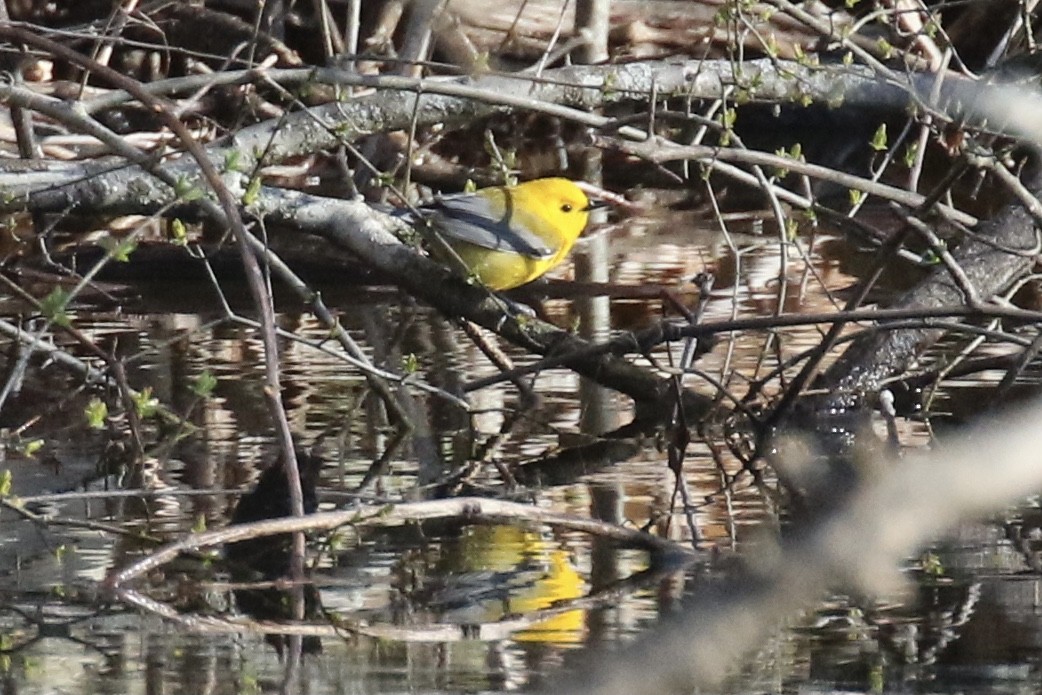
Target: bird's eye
x,y
567,207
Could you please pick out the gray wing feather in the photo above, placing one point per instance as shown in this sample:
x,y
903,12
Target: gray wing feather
x,y
466,218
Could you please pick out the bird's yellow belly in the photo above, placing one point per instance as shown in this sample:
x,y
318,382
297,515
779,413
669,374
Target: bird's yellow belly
x,y
500,270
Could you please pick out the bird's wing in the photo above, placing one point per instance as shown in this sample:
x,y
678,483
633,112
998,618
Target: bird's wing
x,y
471,219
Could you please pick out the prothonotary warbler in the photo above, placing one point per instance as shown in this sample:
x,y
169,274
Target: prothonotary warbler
x,y
510,235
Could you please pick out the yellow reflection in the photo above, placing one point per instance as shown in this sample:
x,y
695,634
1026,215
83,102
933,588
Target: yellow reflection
x,y
547,573
561,582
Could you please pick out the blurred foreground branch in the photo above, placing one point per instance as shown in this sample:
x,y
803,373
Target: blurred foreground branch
x,y
859,550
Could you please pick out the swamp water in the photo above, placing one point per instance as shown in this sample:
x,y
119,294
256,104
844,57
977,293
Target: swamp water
x,y
452,608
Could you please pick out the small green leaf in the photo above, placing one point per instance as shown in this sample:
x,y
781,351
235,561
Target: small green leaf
x,y
5,482
771,47
178,232
510,157
930,563
231,160
204,384
410,363
481,63
119,249
53,307
96,412
252,191
929,258
879,139
186,191
249,684
144,403
730,117
856,196
932,27
781,172
911,152
32,446
877,677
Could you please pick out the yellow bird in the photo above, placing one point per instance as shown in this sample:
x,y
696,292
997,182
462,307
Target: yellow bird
x,y
510,235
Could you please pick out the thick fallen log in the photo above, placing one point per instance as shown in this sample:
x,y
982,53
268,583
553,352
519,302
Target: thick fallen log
x,y
1002,250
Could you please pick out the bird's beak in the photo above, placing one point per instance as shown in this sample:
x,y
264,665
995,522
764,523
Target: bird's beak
x,y
595,205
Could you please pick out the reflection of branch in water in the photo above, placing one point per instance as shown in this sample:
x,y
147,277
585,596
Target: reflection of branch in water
x,y
467,509
666,557
340,626
921,642
49,624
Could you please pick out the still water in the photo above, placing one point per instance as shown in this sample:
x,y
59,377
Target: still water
x,y
454,608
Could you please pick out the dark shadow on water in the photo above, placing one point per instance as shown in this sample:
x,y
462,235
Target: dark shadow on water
x,y
267,559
